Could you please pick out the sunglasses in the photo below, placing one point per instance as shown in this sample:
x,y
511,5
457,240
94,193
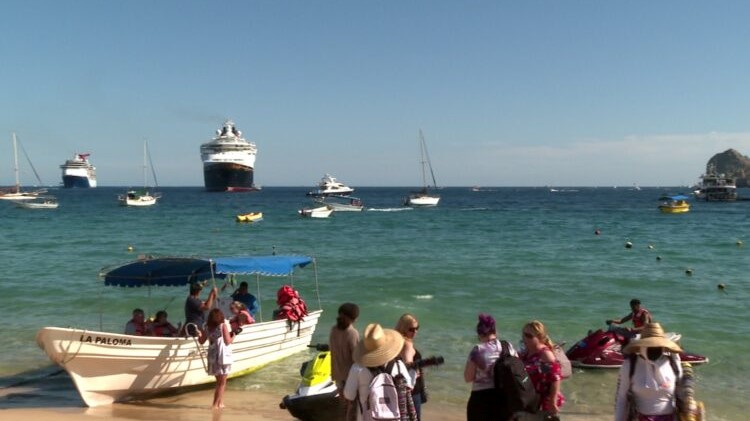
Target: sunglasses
x,y
528,335
413,329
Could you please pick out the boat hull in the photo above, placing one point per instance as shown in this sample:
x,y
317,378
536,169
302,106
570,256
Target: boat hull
x,y
423,201
74,181
674,209
110,367
227,177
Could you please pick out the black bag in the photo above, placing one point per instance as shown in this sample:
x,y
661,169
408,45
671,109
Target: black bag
x,y
513,383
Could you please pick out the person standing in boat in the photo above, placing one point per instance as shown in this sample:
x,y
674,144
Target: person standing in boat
x,y
342,341
195,307
246,298
639,315
219,353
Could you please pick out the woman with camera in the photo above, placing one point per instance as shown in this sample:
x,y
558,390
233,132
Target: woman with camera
x,y
219,353
408,326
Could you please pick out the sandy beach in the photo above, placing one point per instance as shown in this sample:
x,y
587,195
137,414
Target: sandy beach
x,y
194,406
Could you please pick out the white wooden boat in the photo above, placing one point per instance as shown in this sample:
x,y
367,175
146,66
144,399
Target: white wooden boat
x,y
40,202
424,197
109,367
138,198
319,212
144,197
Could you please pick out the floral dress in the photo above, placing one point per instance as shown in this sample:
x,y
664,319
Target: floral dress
x,y
219,353
543,375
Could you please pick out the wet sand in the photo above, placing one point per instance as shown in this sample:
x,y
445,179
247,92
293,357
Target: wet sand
x,y
194,406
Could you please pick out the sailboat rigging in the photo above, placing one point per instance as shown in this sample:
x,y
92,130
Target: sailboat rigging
x,y
15,193
143,197
423,197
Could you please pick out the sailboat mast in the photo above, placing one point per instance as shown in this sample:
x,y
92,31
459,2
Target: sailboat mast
x,y
426,157
145,184
15,163
151,164
422,161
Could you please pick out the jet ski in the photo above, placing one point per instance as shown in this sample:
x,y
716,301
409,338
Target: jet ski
x,y
316,397
603,349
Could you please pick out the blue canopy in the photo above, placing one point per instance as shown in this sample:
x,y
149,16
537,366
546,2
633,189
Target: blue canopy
x,y
176,271
675,197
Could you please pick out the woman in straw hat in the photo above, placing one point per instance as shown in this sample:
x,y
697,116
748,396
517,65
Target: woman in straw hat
x,y
377,348
652,380
484,404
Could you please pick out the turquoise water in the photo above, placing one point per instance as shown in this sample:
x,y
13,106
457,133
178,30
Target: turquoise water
x,y
517,253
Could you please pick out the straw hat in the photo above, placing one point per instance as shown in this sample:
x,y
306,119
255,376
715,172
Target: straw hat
x,y
652,336
378,346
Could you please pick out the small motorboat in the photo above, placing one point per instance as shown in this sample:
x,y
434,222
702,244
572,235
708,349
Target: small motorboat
x,y
319,212
42,202
250,217
674,204
603,349
341,203
316,397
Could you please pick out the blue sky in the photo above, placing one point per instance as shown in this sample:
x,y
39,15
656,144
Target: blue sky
x,y
521,93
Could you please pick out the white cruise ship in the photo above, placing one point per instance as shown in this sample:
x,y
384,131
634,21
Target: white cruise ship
x,y
228,161
78,172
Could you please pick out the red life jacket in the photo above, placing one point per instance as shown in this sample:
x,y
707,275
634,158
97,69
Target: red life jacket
x,y
164,330
291,305
639,317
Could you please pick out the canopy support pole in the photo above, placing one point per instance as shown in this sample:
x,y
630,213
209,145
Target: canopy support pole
x,y
258,300
317,290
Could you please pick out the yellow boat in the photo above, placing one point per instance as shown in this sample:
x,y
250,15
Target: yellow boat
x,y
250,217
675,204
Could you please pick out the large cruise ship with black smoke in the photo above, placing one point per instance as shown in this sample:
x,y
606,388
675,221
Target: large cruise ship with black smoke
x,y
78,172
228,161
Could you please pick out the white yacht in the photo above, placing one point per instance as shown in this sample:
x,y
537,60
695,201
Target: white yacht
x,y
78,172
328,185
228,161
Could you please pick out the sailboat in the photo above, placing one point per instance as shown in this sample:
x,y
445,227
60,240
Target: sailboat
x,y
15,193
142,197
423,197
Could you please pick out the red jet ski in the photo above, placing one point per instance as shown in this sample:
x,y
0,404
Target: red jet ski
x,y
603,349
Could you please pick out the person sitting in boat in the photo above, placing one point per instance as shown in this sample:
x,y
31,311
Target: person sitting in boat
x,y
161,326
137,324
195,307
639,316
241,316
242,295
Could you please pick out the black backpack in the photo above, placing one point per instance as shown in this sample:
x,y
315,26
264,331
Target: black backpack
x,y
513,383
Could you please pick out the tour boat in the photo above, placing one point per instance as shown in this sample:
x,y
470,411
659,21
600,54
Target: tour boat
x,y
108,367
341,203
715,187
675,204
